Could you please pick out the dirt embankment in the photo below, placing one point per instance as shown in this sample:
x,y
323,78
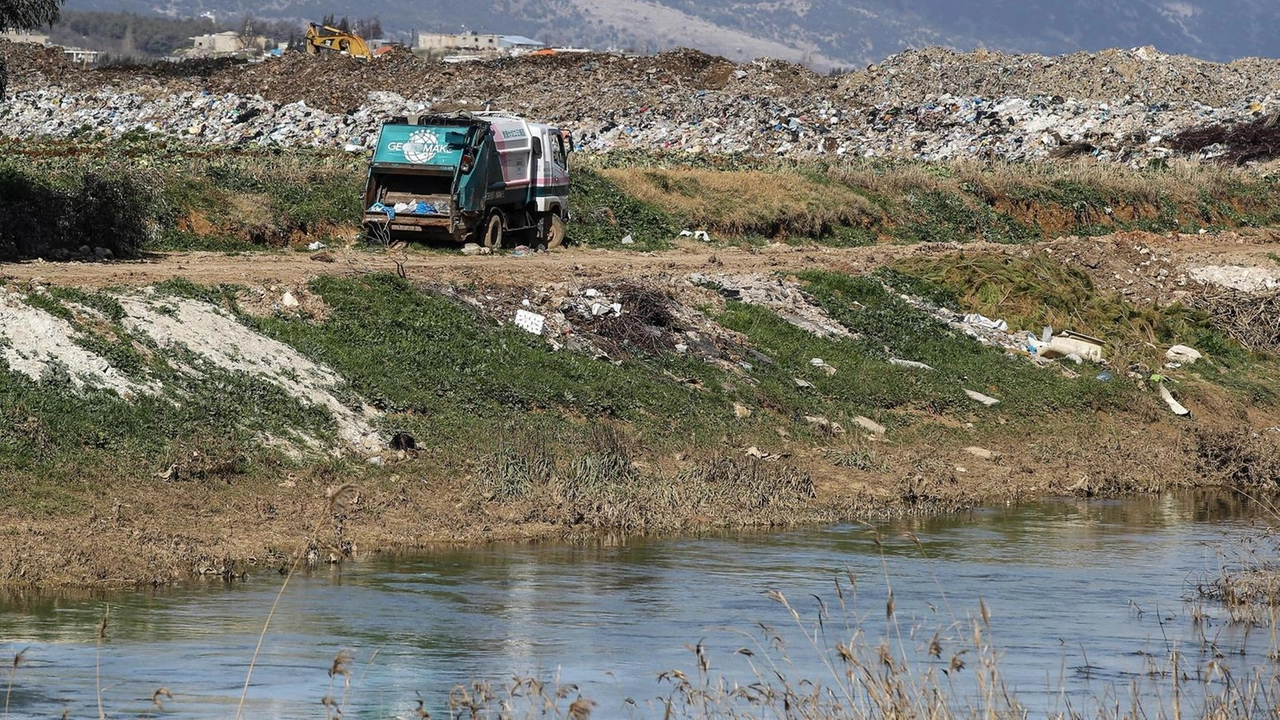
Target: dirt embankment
x,y
195,513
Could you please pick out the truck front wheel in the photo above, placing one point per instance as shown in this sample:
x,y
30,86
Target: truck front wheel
x,y
553,230
493,232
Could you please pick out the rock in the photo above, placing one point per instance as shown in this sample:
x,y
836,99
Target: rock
x,y
823,366
984,399
741,411
909,364
983,453
288,300
870,425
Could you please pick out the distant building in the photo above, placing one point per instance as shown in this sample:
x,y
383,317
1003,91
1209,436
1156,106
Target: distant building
x,y
80,56
25,37
519,43
450,42
228,42
218,43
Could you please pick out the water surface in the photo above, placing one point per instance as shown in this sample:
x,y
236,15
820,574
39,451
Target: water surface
x,y
1081,595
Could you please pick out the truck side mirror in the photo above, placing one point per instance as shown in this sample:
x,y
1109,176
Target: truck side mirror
x,y
537,147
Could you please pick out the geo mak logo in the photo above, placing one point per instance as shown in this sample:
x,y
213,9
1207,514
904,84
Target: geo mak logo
x,y
422,146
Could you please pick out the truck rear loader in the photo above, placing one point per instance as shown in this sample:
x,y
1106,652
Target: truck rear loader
x,y
468,177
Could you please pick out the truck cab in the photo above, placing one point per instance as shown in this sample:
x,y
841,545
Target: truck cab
x,y
461,177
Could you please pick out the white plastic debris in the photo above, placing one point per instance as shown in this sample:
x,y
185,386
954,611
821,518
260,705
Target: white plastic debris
x,y
530,321
909,364
1177,407
1182,355
983,321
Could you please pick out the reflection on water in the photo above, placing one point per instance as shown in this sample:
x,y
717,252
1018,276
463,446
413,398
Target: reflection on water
x,y
1080,593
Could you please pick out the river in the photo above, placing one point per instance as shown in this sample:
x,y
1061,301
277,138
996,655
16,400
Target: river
x,y
1085,600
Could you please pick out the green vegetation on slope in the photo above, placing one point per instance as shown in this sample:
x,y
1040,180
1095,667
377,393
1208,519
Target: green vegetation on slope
x,y
165,194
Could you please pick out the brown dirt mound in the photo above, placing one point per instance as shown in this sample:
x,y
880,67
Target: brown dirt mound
x,y
28,62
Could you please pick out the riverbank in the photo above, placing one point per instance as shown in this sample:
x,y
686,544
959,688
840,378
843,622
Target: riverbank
x,y
191,414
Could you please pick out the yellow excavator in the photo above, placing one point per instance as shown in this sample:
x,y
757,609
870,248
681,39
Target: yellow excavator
x,y
324,38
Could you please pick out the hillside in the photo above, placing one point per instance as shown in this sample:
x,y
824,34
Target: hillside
x,y
823,33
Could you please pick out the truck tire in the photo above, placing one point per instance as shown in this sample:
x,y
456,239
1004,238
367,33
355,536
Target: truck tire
x,y
553,230
492,237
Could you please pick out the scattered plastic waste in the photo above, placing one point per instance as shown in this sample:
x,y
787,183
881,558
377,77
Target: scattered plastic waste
x,y
1074,346
1180,355
1123,106
530,321
985,322
1174,405
628,240
317,245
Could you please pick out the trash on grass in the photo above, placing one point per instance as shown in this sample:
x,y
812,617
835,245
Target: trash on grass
x,y
530,321
1182,355
823,424
983,321
909,364
1067,343
1174,405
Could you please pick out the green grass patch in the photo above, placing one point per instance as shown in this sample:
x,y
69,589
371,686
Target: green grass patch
x,y
602,214
1032,292
424,356
939,216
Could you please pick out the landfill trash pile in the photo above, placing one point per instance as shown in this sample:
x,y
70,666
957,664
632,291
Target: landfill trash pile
x,y
933,104
609,320
1144,74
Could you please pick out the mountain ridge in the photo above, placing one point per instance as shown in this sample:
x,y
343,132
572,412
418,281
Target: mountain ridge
x,y
824,34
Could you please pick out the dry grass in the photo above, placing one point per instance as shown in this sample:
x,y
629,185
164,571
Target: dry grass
x,y
598,486
1251,319
778,203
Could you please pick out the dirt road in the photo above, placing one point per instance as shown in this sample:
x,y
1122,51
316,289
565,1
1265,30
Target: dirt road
x,y
1108,259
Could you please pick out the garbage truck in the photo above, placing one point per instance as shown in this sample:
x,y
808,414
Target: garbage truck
x,y
468,177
